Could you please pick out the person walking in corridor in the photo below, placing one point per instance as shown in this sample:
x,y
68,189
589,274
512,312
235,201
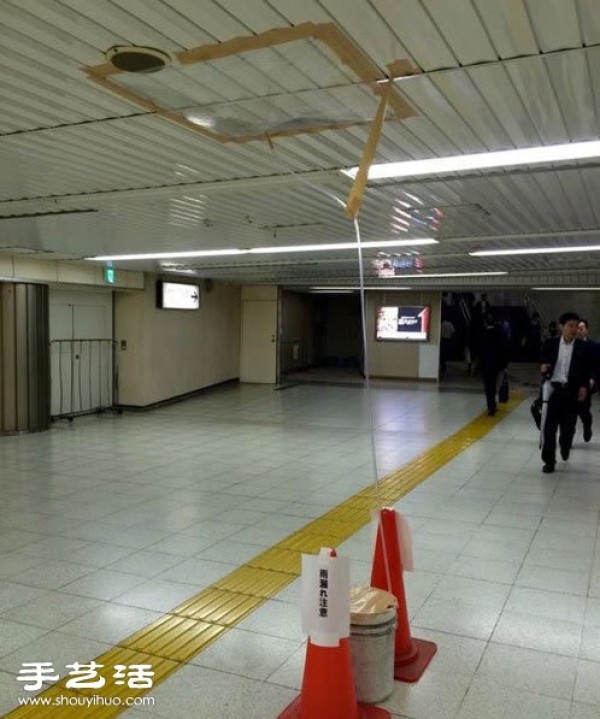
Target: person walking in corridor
x,y
566,364
493,359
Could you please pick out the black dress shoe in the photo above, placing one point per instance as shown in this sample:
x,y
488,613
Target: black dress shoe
x,y
548,468
491,412
587,432
565,453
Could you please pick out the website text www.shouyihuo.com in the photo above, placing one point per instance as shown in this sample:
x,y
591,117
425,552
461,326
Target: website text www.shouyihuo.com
x,y
87,702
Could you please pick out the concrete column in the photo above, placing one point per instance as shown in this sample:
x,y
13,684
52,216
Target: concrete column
x,y
24,358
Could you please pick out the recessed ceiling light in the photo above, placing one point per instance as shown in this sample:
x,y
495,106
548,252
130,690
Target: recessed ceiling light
x,y
537,251
567,289
483,160
265,250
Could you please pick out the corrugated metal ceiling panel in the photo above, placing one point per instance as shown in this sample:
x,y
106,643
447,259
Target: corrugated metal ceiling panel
x,y
501,95
462,29
534,86
255,15
508,26
555,24
367,29
570,77
521,102
417,32
462,93
431,104
589,19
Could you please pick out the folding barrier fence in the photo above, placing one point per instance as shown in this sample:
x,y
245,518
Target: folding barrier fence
x,y
84,377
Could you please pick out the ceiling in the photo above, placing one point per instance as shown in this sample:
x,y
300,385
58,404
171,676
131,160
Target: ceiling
x,y
84,171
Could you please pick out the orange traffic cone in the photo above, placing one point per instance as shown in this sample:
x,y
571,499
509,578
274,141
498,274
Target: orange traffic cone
x,y
411,656
328,690
328,687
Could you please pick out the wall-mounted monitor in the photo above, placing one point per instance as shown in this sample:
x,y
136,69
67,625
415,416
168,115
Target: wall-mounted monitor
x,y
177,296
406,324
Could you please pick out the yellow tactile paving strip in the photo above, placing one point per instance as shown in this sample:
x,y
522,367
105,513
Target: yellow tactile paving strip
x,y
171,641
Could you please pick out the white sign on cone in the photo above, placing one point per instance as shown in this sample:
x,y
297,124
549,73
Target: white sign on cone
x,y
325,597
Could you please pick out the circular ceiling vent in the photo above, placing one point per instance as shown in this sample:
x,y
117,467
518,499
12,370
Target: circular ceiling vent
x,y
135,58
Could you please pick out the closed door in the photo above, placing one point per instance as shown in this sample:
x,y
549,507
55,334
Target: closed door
x,y
258,352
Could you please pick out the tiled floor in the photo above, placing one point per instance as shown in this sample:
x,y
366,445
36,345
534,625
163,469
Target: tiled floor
x,y
109,523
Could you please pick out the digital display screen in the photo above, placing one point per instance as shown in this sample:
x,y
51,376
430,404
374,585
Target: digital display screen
x,y
177,296
390,266
410,324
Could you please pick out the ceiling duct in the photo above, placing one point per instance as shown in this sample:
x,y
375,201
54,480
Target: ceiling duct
x,y
136,58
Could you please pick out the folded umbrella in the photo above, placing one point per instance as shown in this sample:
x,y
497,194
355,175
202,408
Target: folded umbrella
x,y
547,390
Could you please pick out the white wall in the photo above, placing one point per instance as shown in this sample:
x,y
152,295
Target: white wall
x,y
417,360
77,314
173,352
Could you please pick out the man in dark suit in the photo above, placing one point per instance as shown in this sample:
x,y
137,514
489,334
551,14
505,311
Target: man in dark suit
x,y
493,359
585,408
566,364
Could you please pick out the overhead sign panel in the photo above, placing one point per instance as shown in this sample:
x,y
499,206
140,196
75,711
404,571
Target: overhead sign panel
x,y
177,296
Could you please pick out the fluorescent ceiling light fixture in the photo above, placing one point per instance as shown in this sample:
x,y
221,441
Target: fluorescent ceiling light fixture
x,y
342,246
334,291
266,250
453,274
483,160
567,289
537,251
167,255
355,289
414,197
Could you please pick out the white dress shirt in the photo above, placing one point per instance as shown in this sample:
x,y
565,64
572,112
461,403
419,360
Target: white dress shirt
x,y
563,362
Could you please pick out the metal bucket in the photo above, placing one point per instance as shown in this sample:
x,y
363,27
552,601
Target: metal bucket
x,y
372,650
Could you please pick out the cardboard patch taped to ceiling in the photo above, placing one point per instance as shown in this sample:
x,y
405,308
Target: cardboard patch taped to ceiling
x,y
286,81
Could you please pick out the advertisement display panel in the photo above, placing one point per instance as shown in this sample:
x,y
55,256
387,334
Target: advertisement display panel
x,y
408,324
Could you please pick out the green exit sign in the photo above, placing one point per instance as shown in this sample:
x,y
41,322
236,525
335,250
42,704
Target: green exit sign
x,y
110,275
